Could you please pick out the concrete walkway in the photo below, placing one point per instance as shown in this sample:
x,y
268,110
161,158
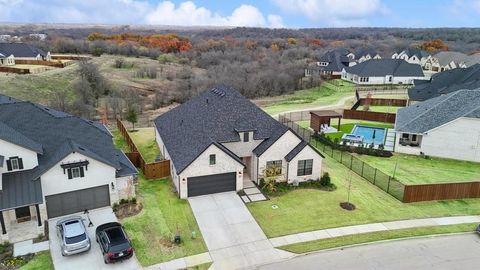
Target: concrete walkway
x,y
183,263
233,237
27,247
368,228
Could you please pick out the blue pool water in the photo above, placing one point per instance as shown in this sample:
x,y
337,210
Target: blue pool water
x,y
367,133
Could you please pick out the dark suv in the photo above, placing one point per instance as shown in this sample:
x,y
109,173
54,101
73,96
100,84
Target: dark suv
x,y
113,242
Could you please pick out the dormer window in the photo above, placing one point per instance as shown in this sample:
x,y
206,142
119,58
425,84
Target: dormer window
x,y
14,163
75,169
246,137
213,159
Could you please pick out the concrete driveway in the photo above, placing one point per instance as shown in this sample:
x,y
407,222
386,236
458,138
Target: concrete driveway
x,y
232,235
91,259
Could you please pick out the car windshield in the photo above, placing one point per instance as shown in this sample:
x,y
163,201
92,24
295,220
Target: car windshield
x,y
116,236
74,232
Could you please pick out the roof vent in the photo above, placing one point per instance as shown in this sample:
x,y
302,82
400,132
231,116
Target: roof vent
x,y
218,92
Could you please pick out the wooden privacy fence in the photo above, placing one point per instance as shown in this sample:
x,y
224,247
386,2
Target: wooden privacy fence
x,y
447,191
370,116
15,70
71,57
153,170
39,63
385,102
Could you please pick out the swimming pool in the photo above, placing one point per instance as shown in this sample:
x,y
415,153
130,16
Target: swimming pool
x,y
368,132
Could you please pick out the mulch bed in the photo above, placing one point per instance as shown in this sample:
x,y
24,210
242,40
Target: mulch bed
x,y
347,206
127,210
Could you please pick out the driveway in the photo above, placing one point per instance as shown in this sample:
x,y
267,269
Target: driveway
x,y
434,253
91,259
232,235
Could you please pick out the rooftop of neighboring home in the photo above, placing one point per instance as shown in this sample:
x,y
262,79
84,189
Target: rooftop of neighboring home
x,y
52,135
427,115
214,117
20,50
364,52
337,59
384,67
446,57
415,51
446,82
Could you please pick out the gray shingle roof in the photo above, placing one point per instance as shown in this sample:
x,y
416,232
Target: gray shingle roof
x,y
337,60
446,82
427,115
58,134
20,189
7,99
384,67
20,50
364,52
295,151
417,52
211,118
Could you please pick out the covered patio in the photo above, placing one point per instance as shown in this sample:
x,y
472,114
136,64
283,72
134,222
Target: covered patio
x,y
320,121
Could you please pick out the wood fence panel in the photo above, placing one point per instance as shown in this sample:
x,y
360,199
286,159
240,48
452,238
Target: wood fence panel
x,y
385,102
447,191
39,62
370,116
15,70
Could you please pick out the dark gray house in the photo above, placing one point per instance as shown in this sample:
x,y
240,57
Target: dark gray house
x,y
331,63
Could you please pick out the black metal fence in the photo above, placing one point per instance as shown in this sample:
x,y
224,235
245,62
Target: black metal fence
x,y
373,175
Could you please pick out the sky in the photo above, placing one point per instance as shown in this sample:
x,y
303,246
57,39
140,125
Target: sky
x,y
260,13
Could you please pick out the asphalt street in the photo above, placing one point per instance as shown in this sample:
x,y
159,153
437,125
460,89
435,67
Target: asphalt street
x,y
443,252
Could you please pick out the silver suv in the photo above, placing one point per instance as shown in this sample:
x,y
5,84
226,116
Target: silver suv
x,y
73,235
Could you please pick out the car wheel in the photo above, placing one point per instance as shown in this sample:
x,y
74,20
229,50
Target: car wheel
x,y
105,261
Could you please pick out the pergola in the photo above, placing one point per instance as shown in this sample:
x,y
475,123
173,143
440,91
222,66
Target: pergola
x,y
319,118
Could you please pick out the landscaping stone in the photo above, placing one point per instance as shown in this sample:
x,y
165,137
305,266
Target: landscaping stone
x,y
257,197
251,191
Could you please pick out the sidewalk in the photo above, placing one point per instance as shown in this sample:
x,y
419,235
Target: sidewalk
x,y
182,263
368,228
26,247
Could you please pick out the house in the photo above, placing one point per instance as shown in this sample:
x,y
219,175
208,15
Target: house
x,y
413,56
54,164
6,61
450,60
447,126
445,82
383,71
23,51
219,140
331,63
365,54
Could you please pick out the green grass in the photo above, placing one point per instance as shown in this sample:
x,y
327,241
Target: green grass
x,y
308,210
204,266
307,98
144,139
41,261
163,215
119,142
347,126
417,170
376,236
384,109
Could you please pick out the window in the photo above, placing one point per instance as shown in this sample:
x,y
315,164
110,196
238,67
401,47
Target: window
x,y
305,167
75,172
405,136
246,136
414,137
390,79
213,159
14,163
274,168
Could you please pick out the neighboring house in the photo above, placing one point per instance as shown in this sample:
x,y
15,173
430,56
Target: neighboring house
x,y
383,71
447,126
220,139
54,164
365,54
331,63
6,61
414,56
23,51
445,82
450,60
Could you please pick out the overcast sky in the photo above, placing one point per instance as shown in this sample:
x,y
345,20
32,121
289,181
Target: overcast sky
x,y
264,13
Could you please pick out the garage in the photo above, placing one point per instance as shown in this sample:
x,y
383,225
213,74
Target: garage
x,y
77,201
210,184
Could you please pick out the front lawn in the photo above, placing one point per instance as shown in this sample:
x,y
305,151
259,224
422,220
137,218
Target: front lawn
x,y
418,170
376,236
41,261
144,139
163,215
308,210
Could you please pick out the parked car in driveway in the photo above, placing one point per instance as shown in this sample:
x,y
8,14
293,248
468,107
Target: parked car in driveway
x,y
478,229
73,235
114,242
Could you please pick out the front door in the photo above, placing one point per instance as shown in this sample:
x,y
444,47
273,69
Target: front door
x,y
23,214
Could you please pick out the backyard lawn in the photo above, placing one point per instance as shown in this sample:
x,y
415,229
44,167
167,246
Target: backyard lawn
x,y
144,139
384,109
308,210
41,261
304,99
377,236
163,215
417,170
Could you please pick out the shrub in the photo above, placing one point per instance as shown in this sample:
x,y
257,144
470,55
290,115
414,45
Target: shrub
x,y
123,201
325,180
133,200
115,206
